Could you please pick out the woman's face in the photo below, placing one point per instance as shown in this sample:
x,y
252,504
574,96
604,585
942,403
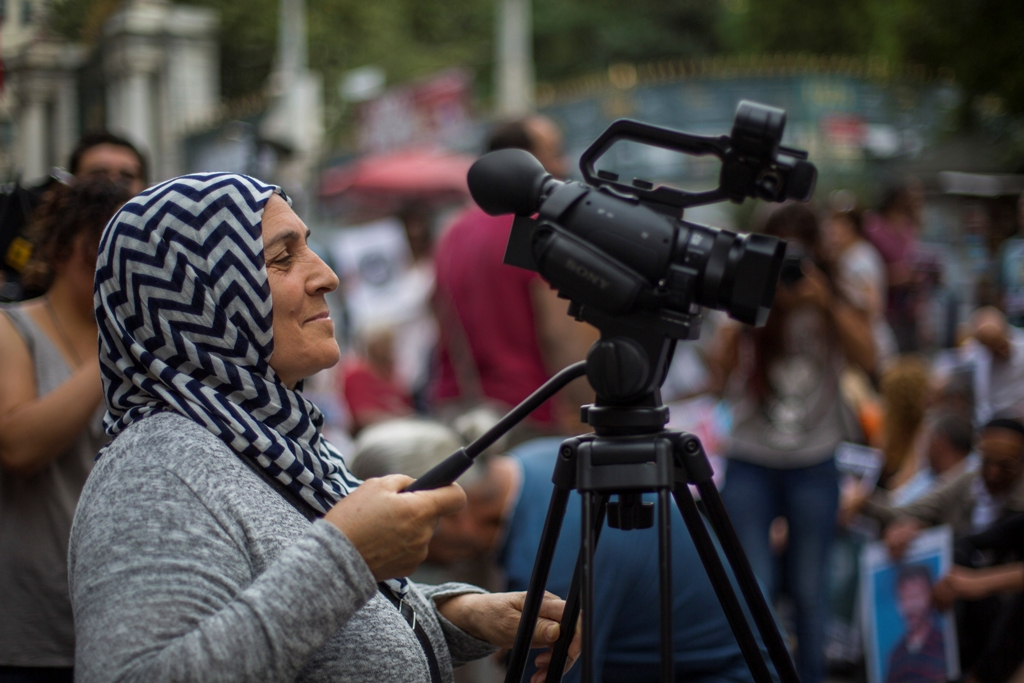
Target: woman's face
x,y
840,234
304,340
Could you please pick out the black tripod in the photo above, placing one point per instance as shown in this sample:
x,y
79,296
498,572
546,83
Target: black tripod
x,y
629,454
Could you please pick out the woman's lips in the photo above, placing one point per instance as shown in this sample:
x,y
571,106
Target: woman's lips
x,y
325,315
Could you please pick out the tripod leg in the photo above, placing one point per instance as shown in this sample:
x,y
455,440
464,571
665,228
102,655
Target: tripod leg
x,y
719,519
668,662
538,579
571,615
723,587
588,543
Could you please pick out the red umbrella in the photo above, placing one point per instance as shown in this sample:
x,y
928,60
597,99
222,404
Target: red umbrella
x,y
419,173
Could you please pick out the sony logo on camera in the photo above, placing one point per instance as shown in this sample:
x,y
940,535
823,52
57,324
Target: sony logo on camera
x,y
586,274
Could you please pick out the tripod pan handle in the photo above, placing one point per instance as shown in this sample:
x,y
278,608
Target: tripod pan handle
x,y
444,473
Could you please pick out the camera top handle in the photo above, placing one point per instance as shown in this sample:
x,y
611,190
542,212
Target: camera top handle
x,y
754,164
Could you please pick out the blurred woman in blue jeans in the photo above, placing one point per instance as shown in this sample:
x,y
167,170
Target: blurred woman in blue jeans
x,y
784,383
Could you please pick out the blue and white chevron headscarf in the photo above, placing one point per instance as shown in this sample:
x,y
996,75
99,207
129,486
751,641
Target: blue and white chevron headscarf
x,y
184,311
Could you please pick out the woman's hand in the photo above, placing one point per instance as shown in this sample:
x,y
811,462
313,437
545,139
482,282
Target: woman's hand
x,y
494,617
814,288
389,528
852,324
852,497
960,583
964,583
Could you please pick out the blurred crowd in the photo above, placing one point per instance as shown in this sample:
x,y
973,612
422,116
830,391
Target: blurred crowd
x,y
854,354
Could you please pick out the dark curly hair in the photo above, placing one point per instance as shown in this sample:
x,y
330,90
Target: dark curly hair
x,y
67,211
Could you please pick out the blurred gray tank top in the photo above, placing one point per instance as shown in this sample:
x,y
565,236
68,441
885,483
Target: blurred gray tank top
x,y
36,627
801,421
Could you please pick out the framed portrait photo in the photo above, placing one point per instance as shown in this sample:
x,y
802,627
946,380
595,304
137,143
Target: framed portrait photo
x,y
906,640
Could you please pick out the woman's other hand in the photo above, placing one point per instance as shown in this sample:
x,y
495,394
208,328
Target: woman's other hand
x,y
814,287
495,617
964,583
852,324
389,528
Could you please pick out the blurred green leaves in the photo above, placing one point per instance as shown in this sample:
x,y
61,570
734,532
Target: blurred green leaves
x,y
576,37
980,42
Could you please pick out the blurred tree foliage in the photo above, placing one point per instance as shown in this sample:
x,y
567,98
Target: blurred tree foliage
x,y
788,26
575,37
980,41
413,38
409,38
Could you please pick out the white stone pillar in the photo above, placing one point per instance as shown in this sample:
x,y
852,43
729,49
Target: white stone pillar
x,y
42,89
157,82
514,67
66,119
113,110
137,109
32,139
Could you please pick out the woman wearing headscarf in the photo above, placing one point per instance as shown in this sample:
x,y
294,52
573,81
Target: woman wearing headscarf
x,y
50,426
220,537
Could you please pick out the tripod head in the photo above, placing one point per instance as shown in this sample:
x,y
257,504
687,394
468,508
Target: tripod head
x,y
626,368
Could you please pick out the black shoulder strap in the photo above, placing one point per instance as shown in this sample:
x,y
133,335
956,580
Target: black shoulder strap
x,y
403,607
407,611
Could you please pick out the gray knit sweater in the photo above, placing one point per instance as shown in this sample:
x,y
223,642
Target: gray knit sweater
x,y
186,566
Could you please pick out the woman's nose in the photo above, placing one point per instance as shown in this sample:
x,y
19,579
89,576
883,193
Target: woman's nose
x,y
324,279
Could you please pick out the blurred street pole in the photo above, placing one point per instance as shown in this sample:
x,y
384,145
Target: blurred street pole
x,y
294,118
514,63
291,58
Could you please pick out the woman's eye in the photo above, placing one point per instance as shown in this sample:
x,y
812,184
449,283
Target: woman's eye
x,y
282,260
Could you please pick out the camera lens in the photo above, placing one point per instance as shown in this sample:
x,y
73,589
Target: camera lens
x,y
733,272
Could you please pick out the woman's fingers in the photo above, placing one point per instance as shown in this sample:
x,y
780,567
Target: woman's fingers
x,y
543,660
446,500
546,633
551,607
548,629
389,528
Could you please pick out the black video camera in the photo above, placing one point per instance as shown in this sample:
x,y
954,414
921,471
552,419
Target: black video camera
x,y
623,254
